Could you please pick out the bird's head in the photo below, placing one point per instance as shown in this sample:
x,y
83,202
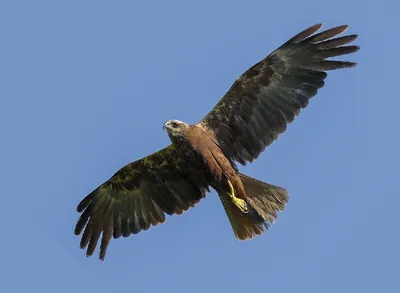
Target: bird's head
x,y
175,127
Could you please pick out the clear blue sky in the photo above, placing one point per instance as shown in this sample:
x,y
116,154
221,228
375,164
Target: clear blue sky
x,y
86,87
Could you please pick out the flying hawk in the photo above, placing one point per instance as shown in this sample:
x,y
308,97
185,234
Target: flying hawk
x,y
252,114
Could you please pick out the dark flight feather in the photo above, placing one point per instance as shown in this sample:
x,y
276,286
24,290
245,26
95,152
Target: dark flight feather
x,y
270,94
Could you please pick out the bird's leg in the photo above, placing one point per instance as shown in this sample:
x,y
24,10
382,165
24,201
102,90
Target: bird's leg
x,y
240,203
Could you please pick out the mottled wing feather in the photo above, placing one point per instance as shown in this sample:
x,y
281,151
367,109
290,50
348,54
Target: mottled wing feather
x,y
137,197
269,95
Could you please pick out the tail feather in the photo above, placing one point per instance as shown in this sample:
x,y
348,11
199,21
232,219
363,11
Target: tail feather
x,y
264,201
242,224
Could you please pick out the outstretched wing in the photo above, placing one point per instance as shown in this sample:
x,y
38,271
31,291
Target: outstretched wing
x,y
136,197
269,95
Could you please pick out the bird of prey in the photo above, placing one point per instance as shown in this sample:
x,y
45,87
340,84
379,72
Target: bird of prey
x,y
249,117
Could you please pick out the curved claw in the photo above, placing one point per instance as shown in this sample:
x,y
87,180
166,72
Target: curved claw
x,y
240,203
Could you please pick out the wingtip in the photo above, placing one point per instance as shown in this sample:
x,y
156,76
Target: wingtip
x,y
319,25
83,204
316,27
76,231
342,27
352,37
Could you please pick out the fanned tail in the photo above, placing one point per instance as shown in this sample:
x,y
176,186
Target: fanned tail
x,y
264,201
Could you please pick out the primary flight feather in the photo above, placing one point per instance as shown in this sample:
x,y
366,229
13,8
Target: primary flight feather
x,y
251,115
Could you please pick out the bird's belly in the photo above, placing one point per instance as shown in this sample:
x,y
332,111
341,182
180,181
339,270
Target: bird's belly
x,y
207,161
199,165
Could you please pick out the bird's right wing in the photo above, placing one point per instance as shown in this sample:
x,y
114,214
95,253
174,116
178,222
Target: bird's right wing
x,y
268,96
136,197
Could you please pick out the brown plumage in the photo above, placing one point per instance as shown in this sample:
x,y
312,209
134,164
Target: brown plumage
x,y
256,109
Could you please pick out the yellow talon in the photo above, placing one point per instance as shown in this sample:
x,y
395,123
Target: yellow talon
x,y
240,203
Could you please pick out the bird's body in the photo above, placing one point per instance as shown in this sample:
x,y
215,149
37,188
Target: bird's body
x,y
251,115
200,149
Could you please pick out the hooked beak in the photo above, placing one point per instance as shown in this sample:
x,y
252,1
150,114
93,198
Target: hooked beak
x,y
164,125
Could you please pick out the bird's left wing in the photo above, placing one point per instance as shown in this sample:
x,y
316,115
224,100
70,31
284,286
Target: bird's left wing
x,y
269,95
136,197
